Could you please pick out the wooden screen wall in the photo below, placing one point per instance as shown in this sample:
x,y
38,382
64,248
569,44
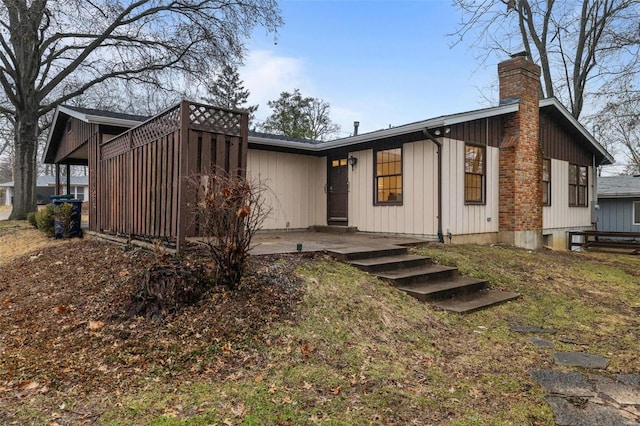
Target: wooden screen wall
x,y
142,172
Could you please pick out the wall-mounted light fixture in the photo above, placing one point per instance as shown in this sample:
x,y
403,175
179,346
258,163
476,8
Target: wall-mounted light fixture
x,y
352,161
440,131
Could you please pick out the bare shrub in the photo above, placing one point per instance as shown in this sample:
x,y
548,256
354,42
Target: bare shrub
x,y
228,210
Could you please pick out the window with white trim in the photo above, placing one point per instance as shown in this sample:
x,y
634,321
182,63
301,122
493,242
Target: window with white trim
x,y
636,212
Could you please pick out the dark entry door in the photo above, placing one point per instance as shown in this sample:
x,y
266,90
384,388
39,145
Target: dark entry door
x,y
337,191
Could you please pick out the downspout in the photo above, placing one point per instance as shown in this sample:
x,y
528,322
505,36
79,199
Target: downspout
x,y
438,153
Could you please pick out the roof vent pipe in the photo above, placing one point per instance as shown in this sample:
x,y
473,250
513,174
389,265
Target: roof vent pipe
x,y
356,124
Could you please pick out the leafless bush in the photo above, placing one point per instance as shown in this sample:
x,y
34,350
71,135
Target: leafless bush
x,y
228,210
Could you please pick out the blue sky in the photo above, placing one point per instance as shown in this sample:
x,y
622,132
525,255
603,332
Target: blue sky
x,y
381,62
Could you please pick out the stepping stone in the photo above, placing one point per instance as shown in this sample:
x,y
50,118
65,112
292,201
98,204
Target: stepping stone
x,y
530,329
580,359
584,413
621,393
630,379
541,343
566,384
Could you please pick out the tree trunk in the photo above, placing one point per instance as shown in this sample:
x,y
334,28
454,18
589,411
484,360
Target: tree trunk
x,y
24,167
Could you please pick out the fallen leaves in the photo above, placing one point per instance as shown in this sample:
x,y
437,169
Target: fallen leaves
x,y
95,325
62,310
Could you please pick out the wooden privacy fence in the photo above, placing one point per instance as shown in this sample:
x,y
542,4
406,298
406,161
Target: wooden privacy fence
x,y
141,174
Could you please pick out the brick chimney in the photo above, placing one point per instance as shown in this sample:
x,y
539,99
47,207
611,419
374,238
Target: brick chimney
x,y
520,194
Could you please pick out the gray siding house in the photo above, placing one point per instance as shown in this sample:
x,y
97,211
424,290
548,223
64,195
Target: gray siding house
x,y
619,201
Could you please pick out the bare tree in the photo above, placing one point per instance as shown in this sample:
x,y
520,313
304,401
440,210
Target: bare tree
x,y
578,43
618,125
53,51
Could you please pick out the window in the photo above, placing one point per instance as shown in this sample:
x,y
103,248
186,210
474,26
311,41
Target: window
x,y
474,171
388,179
78,191
636,212
578,185
546,182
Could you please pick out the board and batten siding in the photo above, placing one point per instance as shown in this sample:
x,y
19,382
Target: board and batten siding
x,y
459,218
616,214
296,187
559,215
417,214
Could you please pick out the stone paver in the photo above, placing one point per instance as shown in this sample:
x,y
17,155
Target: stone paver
x,y
572,384
579,413
530,329
541,343
595,400
580,359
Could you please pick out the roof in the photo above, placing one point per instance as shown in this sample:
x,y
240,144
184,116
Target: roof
x,y
51,181
87,115
618,186
431,123
91,115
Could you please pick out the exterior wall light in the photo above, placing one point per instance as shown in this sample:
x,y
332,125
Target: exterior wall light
x,y
352,161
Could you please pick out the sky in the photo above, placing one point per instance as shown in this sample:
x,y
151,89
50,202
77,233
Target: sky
x,y
379,62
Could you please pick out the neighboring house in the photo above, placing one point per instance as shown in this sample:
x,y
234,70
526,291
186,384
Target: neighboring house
x,y
522,173
619,203
46,186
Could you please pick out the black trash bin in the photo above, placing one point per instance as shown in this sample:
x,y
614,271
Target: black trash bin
x,y
53,198
76,217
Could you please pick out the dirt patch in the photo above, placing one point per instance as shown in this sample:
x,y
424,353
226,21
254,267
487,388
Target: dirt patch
x,y
66,328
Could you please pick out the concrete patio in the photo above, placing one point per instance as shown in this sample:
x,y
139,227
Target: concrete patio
x,y
287,241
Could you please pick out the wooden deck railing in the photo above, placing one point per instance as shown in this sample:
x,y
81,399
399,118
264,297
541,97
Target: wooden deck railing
x,y
605,239
141,173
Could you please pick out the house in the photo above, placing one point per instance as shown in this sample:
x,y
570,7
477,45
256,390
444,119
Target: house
x,y
619,203
75,136
521,173
46,186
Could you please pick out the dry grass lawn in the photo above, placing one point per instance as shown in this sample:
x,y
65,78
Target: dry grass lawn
x,y
305,341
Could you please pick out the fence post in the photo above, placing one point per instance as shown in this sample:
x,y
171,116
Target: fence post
x,y
184,165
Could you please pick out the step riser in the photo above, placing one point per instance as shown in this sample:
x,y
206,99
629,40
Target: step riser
x,y
447,293
430,276
346,257
384,267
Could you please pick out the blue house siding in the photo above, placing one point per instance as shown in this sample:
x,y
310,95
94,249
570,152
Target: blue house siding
x,y
616,214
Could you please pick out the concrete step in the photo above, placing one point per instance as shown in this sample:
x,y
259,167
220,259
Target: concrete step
x,y
389,263
346,254
474,301
441,289
333,229
419,274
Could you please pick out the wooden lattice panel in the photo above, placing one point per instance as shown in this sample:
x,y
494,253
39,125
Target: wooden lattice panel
x,y
215,120
114,147
156,128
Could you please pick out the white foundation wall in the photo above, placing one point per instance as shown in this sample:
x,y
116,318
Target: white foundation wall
x,y
461,219
418,213
296,184
559,218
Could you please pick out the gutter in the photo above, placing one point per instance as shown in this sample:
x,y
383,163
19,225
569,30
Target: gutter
x,y
425,131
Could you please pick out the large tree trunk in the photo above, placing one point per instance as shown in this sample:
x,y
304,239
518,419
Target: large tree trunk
x,y
24,167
